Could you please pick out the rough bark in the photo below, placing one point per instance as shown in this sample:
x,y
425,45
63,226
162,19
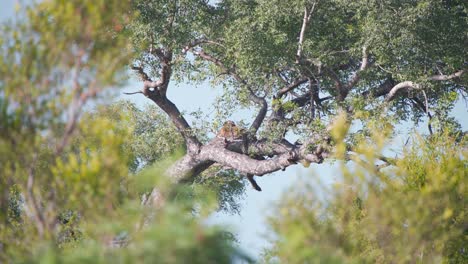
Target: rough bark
x,y
258,163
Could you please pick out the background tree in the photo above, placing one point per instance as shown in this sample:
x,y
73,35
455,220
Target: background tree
x,y
299,64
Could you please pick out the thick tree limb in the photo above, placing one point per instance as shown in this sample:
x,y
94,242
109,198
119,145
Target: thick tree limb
x,y
262,147
254,183
131,93
156,91
403,85
191,141
283,153
390,87
186,168
232,155
245,164
260,116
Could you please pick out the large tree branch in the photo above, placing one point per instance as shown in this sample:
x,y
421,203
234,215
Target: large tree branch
x,y
457,74
403,85
186,168
390,87
232,154
260,115
166,72
155,90
165,58
191,141
245,164
262,147
284,154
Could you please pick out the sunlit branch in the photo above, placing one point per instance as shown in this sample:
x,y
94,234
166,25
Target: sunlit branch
x,y
307,15
412,85
457,74
403,85
363,67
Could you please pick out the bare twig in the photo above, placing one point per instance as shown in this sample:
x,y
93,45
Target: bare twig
x,y
130,93
429,126
425,108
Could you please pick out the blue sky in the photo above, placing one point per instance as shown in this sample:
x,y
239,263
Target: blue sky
x,y
250,225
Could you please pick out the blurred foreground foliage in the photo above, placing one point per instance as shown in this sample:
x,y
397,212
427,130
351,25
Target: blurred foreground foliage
x,y
89,202
413,211
71,179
